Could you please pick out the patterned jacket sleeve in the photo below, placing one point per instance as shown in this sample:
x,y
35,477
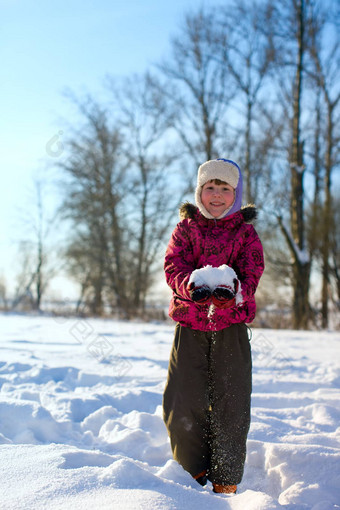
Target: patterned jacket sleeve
x,y
179,261
250,264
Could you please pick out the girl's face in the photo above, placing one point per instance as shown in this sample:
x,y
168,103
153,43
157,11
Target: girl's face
x,y
216,198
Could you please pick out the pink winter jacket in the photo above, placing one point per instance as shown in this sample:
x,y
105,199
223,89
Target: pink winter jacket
x,y
197,242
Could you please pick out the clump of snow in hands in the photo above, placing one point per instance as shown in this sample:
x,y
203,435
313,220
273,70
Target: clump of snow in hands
x,y
79,433
215,276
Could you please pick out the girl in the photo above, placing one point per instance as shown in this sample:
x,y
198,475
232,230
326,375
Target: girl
x,y
213,264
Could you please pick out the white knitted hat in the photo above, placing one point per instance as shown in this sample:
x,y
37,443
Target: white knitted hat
x,y
222,169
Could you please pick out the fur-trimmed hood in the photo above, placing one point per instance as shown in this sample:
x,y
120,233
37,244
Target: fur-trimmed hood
x,y
189,211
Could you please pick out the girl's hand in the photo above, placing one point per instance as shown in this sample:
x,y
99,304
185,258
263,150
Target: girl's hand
x,y
224,296
200,294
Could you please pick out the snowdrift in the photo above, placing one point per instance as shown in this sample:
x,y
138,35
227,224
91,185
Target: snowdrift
x,y
81,420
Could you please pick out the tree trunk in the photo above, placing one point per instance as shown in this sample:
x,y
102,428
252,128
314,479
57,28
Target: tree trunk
x,y
327,223
301,263
301,272
139,283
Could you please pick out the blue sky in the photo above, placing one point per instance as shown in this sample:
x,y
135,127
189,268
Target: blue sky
x,y
46,47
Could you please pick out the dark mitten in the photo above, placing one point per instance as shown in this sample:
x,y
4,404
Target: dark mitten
x,y
224,296
201,294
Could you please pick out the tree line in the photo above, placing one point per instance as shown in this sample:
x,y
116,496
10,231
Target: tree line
x,y
254,81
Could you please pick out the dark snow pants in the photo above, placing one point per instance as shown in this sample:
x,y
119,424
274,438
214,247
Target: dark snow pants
x,y
206,402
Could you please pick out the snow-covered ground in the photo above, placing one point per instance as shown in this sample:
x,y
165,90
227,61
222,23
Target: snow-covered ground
x,y
81,420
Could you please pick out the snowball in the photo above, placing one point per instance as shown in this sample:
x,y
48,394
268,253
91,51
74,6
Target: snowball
x,y
214,276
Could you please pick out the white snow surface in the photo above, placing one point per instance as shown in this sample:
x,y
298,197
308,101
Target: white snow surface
x,y
214,276
81,420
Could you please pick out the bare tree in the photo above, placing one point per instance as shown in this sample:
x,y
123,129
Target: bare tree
x,y
152,196
299,36
326,59
92,188
119,197
335,250
286,25
36,271
248,59
196,88
3,294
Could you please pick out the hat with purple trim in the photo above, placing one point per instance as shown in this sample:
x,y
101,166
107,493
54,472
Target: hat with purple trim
x,y
225,170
